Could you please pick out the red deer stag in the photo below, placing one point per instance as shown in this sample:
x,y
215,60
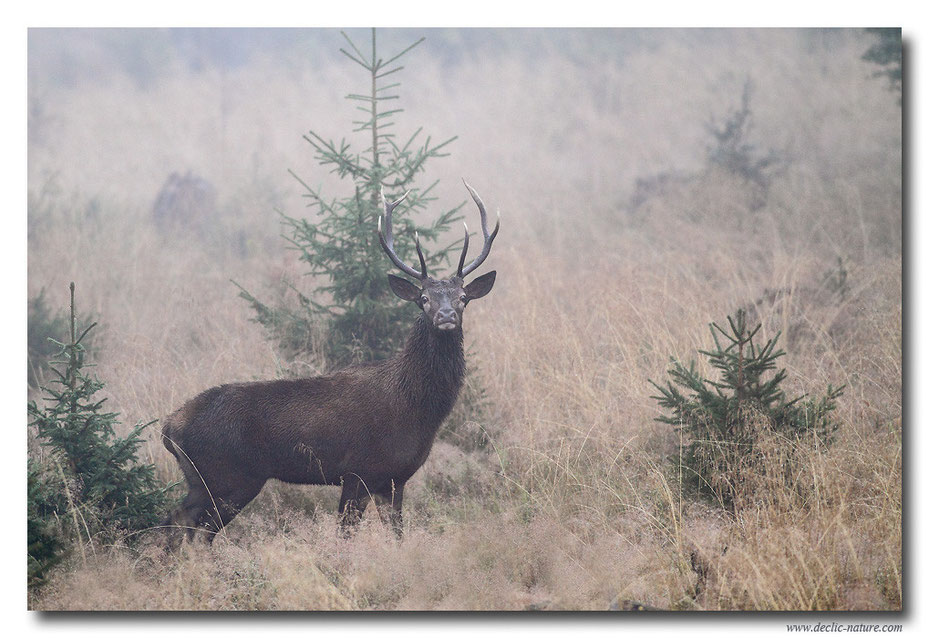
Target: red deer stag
x,y
367,428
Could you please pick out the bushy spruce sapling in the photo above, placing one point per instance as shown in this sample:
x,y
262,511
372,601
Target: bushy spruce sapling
x,y
101,471
723,422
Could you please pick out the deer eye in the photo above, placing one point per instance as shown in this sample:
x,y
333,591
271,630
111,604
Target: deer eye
x,y
424,300
463,298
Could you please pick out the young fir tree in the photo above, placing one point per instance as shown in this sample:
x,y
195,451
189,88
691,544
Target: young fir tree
x,y
100,471
732,150
339,243
723,421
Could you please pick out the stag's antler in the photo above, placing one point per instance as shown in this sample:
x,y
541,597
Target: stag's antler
x,y
463,270
387,243
386,236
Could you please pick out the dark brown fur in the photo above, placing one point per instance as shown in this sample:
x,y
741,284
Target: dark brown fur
x,y
367,428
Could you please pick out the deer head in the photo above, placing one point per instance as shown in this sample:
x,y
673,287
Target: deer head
x,y
442,300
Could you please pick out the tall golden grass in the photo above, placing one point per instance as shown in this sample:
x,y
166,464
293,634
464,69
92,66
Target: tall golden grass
x,y
570,502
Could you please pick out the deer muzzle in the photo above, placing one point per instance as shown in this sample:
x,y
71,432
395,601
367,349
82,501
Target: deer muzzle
x,y
446,320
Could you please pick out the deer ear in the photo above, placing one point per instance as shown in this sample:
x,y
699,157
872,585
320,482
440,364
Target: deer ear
x,y
481,286
403,289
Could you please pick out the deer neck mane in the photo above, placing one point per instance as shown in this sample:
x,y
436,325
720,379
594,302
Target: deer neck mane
x,y
431,369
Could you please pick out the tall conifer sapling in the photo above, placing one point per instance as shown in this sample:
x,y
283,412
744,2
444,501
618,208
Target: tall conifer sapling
x,y
339,244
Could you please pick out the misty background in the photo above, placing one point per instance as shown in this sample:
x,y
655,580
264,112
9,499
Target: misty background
x,y
547,118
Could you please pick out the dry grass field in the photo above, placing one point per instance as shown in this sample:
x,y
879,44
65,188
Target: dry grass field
x,y
555,492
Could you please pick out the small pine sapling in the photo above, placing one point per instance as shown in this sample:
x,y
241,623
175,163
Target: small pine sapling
x,y
723,423
115,493
733,152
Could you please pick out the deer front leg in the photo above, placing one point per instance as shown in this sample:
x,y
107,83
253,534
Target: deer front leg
x,y
352,503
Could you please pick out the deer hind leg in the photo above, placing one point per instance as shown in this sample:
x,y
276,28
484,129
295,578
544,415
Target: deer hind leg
x,y
352,503
226,503
183,521
205,511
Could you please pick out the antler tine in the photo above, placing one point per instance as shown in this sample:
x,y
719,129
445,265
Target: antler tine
x,y
488,237
419,251
464,252
387,242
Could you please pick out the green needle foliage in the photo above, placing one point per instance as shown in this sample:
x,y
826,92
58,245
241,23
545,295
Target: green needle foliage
x,y
44,328
99,472
339,243
887,53
728,425
46,541
732,150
